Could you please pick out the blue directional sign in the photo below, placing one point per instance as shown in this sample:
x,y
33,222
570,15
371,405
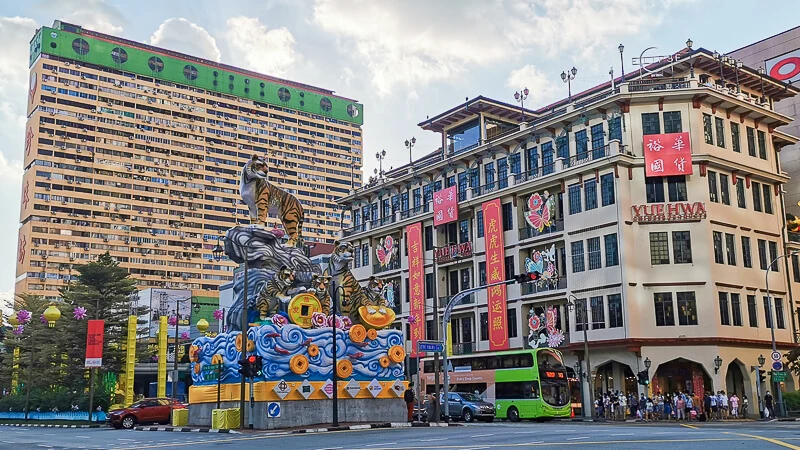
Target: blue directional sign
x,y
273,410
777,366
430,346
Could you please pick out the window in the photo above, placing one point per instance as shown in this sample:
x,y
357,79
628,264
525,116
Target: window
x,y
650,123
577,257
612,253
730,249
740,197
598,141
779,322
796,268
575,205
665,315
615,311
598,312
762,145
463,231
681,247
408,291
751,141
767,312
708,131
607,189
509,267
514,160
724,311
719,257
590,193
756,188
562,147
429,287
479,222
672,122
484,326
365,255
482,273
488,171
712,186
547,158
427,235
747,258
593,247
735,142
512,323
762,254
736,310
676,185
581,144
767,198
357,256
687,308
475,180
502,173
773,253
462,186
720,132
655,189
752,312
417,198
723,189
659,248
532,160
615,129
508,217
580,314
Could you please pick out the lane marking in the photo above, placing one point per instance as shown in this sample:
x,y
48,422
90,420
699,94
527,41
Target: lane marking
x,y
770,440
482,435
433,440
621,434
690,426
577,438
382,443
544,444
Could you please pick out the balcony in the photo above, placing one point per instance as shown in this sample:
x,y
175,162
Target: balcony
x,y
534,288
529,232
354,229
394,264
464,348
411,212
793,237
658,84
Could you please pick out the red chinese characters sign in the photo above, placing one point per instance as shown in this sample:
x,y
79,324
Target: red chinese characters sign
x,y
94,344
416,285
495,273
667,154
445,206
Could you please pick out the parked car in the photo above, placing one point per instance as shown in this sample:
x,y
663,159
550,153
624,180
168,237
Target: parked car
x,y
469,407
421,411
147,410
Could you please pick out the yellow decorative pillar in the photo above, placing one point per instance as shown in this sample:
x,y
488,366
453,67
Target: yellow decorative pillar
x,y
15,371
130,359
162,357
449,342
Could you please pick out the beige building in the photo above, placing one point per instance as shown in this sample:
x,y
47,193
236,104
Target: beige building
x,y
137,150
671,268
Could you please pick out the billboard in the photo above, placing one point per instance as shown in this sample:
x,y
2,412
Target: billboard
x,y
785,67
667,154
445,206
495,273
416,284
94,343
175,304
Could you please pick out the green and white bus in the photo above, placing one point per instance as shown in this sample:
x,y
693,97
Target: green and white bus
x,y
523,384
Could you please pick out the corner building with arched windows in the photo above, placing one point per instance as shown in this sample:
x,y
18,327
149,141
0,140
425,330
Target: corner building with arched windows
x,y
654,205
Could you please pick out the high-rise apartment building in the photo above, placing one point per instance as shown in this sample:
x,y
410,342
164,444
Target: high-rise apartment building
x,y
137,150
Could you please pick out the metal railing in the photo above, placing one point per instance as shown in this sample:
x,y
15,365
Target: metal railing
x,y
536,288
793,237
464,348
658,85
354,229
530,232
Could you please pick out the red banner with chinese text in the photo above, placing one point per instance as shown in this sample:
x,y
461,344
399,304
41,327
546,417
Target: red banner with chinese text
x,y
94,343
416,285
495,273
445,206
667,154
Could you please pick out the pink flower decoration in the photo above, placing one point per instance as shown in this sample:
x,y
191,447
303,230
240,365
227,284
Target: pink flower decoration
x,y
339,321
42,319
319,320
279,320
24,316
172,320
278,233
19,329
412,319
347,323
219,314
185,335
79,313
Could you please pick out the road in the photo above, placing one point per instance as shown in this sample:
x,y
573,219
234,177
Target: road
x,y
744,435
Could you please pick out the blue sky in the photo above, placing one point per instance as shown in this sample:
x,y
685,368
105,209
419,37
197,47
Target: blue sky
x,y
404,60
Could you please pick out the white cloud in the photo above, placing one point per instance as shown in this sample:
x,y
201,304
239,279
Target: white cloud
x,y
541,89
16,32
268,51
95,15
181,35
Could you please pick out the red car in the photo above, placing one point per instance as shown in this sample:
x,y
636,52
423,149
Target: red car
x,y
147,410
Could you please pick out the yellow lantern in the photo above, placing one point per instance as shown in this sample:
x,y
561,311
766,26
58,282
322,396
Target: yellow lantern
x,y
202,325
13,320
51,314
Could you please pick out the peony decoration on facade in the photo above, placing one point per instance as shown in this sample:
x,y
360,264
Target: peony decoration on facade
x,y
543,262
386,251
543,331
541,211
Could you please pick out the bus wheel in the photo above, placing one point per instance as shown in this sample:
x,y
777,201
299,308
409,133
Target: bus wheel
x,y
513,414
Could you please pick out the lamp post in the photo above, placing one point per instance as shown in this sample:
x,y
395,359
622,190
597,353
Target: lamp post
x,y
381,155
520,97
585,324
409,146
217,252
334,307
175,370
761,75
737,65
717,364
719,59
579,373
621,49
567,77
689,44
761,361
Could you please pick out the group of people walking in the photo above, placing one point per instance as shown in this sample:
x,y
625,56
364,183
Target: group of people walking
x,y
686,406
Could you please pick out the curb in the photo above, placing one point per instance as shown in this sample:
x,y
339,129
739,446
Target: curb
x,y
374,426
184,430
44,425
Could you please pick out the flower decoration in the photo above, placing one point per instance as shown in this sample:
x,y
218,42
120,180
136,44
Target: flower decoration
x,y
338,319
412,319
185,335
79,313
319,320
279,320
555,339
346,323
43,319
24,316
219,314
19,330
173,320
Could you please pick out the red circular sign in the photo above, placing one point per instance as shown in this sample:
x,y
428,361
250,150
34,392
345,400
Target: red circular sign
x,y
328,389
775,72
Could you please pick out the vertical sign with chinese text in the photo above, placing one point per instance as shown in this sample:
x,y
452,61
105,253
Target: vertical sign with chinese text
x,y
667,154
445,206
416,285
495,273
94,343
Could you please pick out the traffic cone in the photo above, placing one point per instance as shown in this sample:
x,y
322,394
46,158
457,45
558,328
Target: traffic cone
x,y
572,413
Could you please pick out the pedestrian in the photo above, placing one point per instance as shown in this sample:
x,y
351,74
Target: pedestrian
x,y
713,407
680,408
768,412
667,407
408,396
724,398
745,405
622,405
649,409
659,406
734,405
689,407
430,408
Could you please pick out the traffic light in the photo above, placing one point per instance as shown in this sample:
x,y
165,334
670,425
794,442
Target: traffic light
x,y
643,377
257,366
530,277
244,367
762,376
254,364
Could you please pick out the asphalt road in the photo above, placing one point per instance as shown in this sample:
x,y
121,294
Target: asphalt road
x,y
730,435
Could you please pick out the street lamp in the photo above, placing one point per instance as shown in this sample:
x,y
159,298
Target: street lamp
x,y
737,65
381,155
567,77
761,75
761,360
585,325
409,146
719,59
621,49
689,43
579,374
520,97
717,364
334,304
647,363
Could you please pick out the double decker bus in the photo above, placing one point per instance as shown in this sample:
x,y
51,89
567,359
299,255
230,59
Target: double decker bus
x,y
523,384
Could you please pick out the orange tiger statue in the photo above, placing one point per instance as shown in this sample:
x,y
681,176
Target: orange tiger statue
x,y
259,195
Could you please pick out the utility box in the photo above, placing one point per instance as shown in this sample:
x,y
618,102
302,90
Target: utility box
x,y
180,417
219,419
232,418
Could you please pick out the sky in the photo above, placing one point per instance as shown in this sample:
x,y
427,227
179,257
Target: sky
x,y
404,60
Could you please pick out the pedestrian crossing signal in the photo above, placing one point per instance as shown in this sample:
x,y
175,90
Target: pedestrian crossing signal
x,y
644,378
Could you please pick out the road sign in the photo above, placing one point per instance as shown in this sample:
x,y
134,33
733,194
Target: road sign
x,y
776,356
777,366
211,367
430,346
778,377
327,388
353,387
306,389
211,376
273,410
282,389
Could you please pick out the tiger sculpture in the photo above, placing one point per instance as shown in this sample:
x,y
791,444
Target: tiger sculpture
x,y
259,195
275,293
375,288
319,287
352,295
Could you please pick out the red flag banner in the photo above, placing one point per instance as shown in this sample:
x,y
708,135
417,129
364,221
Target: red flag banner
x,y
445,206
495,273
94,343
667,154
416,284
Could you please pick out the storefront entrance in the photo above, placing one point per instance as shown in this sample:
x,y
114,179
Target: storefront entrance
x,y
681,375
